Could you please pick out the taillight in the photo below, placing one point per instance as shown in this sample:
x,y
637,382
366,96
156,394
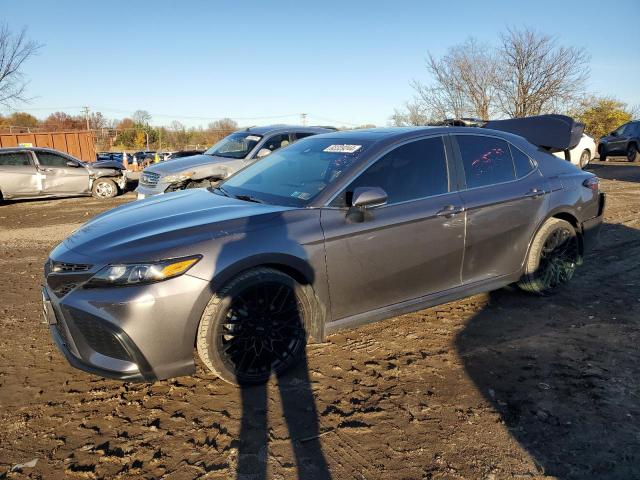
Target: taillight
x,y
592,183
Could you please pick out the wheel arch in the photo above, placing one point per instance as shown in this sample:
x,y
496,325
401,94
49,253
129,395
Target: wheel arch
x,y
297,268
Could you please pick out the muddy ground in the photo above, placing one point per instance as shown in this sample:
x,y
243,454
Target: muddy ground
x,y
503,385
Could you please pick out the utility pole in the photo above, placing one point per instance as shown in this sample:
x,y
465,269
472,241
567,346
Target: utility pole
x,y
85,110
303,119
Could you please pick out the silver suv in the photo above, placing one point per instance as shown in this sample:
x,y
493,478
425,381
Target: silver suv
x,y
226,157
42,172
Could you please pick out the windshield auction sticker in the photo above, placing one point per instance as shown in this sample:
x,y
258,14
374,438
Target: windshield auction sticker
x,y
342,148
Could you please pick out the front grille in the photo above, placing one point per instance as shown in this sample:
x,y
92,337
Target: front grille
x,y
101,339
149,179
64,288
61,267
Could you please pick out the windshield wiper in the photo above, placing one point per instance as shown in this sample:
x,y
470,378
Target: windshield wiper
x,y
249,198
224,192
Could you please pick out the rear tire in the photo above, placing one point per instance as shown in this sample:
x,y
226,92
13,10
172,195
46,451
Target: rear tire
x,y
256,325
585,158
632,153
104,188
552,259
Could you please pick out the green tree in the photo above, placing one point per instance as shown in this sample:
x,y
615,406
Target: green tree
x,y
601,115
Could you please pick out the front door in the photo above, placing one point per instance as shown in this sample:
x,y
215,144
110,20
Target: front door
x,y
60,178
408,248
504,200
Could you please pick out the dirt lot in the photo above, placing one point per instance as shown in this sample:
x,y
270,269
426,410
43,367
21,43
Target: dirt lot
x,y
503,385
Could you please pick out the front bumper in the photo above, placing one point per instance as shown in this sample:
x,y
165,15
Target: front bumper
x,y
591,228
137,333
144,192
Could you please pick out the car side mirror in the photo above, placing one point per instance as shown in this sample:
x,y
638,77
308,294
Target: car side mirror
x,y
72,164
369,197
263,152
614,134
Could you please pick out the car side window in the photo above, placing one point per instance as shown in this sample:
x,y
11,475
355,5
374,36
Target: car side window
x,y
47,159
486,160
409,172
621,129
522,162
15,159
276,142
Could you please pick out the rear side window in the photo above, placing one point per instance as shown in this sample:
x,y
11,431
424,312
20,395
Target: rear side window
x,y
47,159
486,160
524,165
412,171
16,159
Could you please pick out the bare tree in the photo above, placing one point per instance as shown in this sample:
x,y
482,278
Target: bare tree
x,y
141,117
15,50
537,75
463,84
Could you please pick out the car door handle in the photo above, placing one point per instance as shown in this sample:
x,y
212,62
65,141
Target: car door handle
x,y
535,193
449,211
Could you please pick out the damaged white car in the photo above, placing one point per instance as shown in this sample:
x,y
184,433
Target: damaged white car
x,y
41,172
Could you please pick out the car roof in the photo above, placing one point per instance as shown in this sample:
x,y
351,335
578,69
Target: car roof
x,y
267,129
391,135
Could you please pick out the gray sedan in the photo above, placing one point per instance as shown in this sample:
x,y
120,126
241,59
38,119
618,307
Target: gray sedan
x,y
42,172
334,231
226,157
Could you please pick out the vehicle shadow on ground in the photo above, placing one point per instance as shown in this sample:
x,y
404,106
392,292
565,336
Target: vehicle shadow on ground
x,y
625,172
563,370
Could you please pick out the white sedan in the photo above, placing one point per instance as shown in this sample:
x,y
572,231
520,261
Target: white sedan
x,y
583,153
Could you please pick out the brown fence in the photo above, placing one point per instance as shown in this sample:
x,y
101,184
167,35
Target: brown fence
x,y
81,145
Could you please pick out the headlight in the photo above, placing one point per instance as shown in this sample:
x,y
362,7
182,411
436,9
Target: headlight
x,y
137,273
179,177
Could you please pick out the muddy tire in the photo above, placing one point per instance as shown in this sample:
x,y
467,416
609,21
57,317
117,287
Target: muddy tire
x,y
256,325
552,259
104,188
633,155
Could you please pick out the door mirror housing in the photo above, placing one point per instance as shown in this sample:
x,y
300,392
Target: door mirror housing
x,y
263,152
72,164
369,197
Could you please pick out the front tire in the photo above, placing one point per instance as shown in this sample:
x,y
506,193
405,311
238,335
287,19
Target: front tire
x,y
104,188
552,259
601,154
632,153
256,325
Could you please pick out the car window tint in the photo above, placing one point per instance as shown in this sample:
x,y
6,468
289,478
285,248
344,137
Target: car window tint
x,y
522,162
486,160
276,142
47,159
18,159
300,135
415,170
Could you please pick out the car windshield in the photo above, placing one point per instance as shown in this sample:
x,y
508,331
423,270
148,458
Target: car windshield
x,y
236,145
295,175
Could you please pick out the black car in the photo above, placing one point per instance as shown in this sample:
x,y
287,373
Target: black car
x,y
624,140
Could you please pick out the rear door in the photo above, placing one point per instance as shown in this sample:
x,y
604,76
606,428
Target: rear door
x,y
504,197
60,178
18,175
403,250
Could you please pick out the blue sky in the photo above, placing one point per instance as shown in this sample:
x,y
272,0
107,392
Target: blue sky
x,y
342,62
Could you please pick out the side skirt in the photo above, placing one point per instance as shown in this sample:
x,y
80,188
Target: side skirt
x,y
421,303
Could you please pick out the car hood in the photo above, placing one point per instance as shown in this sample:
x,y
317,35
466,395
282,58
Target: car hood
x,y
185,163
163,226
